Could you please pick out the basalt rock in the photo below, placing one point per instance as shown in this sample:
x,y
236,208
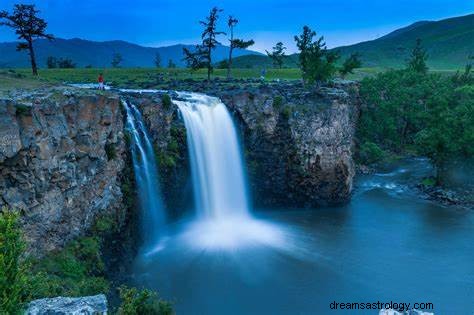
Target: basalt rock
x,y
88,305
60,162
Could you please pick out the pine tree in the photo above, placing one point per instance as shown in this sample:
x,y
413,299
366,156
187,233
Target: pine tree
x,y
277,55
116,60
28,27
316,62
418,57
235,43
209,38
351,63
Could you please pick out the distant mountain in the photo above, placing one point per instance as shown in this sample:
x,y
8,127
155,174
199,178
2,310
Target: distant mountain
x,y
99,54
449,42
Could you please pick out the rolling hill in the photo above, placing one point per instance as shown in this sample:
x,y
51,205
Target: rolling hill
x,y
99,54
449,42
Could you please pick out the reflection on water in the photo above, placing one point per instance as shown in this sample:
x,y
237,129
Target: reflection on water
x,y
386,245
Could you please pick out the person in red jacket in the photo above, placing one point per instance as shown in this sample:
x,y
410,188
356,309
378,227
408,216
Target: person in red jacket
x,y
101,82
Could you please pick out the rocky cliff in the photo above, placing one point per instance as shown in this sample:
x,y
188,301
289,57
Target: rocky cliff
x,y
63,151
298,143
60,161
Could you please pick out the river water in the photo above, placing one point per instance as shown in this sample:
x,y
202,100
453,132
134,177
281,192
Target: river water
x,y
386,245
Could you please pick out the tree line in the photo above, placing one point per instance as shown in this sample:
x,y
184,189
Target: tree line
x,y
412,111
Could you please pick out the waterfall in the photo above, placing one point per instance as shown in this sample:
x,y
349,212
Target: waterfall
x,y
216,162
146,176
224,221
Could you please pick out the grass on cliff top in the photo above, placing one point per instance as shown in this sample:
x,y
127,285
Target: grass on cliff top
x,y
146,77
125,77
14,80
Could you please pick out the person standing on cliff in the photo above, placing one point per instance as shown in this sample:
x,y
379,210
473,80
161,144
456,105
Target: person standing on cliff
x,y
101,81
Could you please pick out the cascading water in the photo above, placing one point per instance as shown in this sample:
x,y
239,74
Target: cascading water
x,y
224,220
216,162
146,176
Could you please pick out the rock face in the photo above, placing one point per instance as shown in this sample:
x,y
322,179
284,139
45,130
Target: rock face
x,y
298,144
88,305
60,162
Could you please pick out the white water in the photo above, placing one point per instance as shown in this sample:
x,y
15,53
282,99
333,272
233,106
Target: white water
x,y
216,163
223,217
146,176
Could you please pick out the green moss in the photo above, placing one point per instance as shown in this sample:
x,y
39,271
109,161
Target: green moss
x,y
23,110
277,102
166,100
286,112
110,151
428,182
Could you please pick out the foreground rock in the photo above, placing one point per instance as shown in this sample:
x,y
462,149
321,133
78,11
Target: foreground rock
x,y
60,162
89,305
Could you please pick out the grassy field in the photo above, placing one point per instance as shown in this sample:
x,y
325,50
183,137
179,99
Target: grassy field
x,y
147,77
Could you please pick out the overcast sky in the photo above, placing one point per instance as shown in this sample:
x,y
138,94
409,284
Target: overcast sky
x,y
166,22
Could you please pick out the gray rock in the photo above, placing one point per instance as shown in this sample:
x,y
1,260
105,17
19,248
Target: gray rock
x,y
53,164
88,305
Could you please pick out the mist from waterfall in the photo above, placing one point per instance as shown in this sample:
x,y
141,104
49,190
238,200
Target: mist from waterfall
x,y
219,181
146,176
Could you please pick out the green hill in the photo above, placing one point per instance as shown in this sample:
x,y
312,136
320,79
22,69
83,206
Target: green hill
x,y
449,42
99,54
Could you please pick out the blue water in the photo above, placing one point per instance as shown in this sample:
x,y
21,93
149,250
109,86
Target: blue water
x,y
387,244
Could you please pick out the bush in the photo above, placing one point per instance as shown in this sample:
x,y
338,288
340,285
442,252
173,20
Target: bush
x,y
138,302
110,151
166,100
14,282
277,102
370,153
77,270
23,110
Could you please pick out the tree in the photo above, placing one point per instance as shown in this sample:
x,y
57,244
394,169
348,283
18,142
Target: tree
x,y
171,64
194,59
28,27
116,60
137,302
209,41
351,63
66,63
418,57
277,55
158,60
235,43
316,62
52,62
14,283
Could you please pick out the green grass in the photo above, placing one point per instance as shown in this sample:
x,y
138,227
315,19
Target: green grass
x,y
149,77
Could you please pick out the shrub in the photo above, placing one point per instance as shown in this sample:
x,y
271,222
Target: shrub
x,y
23,110
277,102
138,302
110,151
77,270
370,153
14,283
166,100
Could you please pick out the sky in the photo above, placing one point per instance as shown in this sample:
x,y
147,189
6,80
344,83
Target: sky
x,y
166,22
